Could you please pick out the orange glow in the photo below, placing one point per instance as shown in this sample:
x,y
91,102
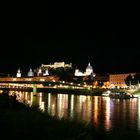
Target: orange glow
x,y
139,113
96,112
107,114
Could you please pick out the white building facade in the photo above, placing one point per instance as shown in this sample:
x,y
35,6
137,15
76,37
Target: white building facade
x,y
88,71
18,73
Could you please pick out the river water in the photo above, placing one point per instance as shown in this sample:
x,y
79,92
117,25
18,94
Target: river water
x,y
104,112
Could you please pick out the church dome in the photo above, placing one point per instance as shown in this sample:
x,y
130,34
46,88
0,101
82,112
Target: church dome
x,y
89,69
30,73
89,66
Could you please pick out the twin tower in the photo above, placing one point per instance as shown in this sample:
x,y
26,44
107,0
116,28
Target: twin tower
x,y
31,73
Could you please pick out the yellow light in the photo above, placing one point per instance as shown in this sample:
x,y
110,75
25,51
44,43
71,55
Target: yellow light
x,y
71,83
107,114
14,79
42,79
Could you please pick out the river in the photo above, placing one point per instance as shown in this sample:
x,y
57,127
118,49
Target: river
x,y
103,112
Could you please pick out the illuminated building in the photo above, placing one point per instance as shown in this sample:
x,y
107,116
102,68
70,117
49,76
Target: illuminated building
x,y
78,73
57,65
46,73
30,73
42,72
118,80
39,73
89,71
18,73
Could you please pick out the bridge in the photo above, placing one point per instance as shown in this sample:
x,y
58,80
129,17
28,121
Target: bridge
x,y
34,85
134,91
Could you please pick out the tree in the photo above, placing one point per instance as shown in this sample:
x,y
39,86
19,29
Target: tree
x,y
78,80
136,79
100,83
89,80
65,74
129,80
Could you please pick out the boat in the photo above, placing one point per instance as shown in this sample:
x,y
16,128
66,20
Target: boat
x,y
120,95
106,93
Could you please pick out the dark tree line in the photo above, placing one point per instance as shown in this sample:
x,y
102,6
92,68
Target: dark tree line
x,y
63,73
67,74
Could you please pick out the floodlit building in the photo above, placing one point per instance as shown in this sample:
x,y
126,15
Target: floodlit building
x,y
46,73
39,73
30,73
18,73
118,80
57,65
89,71
78,73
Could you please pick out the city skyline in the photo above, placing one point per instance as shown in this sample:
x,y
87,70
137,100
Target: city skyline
x,y
108,52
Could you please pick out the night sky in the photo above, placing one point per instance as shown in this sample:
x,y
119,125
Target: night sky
x,y
70,37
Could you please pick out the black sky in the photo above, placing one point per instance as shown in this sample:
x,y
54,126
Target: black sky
x,y
69,36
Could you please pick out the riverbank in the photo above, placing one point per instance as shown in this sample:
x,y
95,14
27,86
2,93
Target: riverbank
x,y
18,121
22,122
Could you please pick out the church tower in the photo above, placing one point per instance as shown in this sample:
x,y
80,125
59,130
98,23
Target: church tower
x,y
46,73
39,73
30,73
18,73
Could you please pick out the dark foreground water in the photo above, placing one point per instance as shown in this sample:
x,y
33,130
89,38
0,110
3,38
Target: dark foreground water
x,y
105,113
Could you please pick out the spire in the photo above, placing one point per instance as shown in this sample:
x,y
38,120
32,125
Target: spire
x,y
39,73
18,73
89,64
89,69
18,70
30,73
30,70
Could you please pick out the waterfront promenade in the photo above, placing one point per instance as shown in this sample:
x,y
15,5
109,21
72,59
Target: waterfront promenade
x,y
38,84
49,86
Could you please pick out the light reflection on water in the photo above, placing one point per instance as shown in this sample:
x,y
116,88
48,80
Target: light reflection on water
x,y
103,112
107,114
139,114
